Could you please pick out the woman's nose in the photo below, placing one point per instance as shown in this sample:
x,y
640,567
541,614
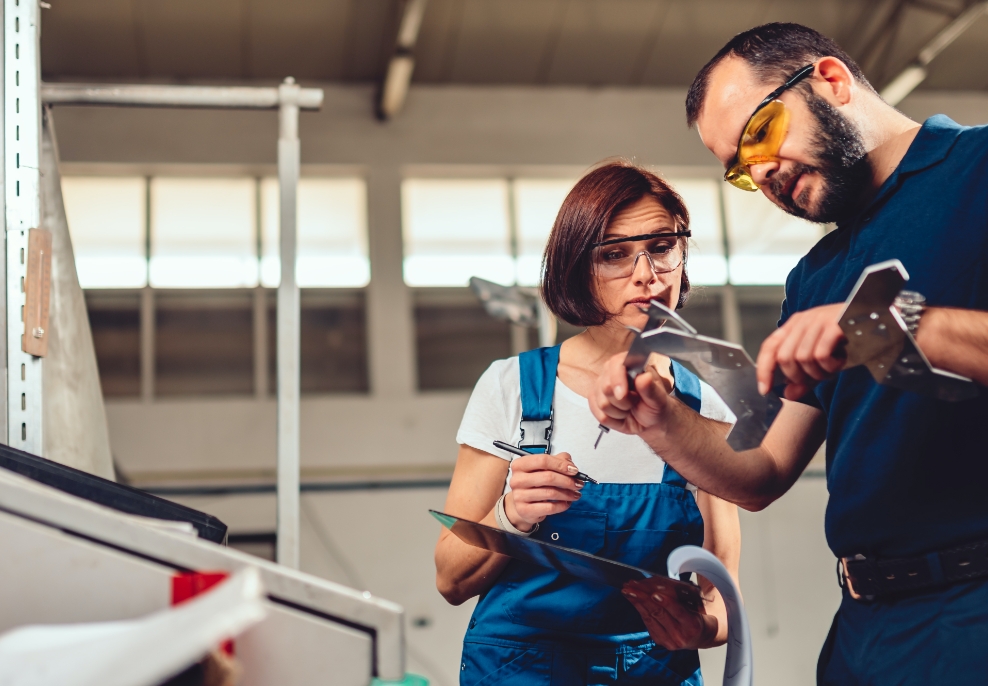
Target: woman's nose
x,y
644,273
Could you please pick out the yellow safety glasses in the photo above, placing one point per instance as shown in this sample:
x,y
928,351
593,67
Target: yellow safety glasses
x,y
762,136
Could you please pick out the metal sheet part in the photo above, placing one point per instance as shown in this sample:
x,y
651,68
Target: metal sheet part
x,y
878,338
584,566
729,370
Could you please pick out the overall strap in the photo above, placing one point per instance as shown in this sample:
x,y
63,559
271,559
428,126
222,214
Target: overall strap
x,y
537,369
687,390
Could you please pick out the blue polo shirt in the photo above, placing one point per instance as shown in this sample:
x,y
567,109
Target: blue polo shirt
x,y
907,474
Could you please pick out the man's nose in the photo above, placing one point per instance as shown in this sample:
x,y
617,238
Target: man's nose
x,y
763,171
644,274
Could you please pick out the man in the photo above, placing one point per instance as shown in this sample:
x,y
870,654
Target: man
x,y
907,474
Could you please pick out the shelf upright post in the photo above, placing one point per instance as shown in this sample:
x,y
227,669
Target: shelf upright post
x,y
288,329
22,196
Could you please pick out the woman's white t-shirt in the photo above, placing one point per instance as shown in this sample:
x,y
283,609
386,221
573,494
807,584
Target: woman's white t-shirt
x,y
494,413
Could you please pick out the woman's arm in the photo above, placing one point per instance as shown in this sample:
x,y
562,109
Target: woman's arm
x,y
722,537
463,571
541,485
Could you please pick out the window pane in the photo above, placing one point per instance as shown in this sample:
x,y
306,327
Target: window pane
x,y
456,340
455,229
106,222
706,265
116,326
203,233
333,343
332,233
765,242
204,345
537,202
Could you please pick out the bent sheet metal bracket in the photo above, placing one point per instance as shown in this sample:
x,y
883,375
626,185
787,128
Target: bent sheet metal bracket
x,y
877,338
725,366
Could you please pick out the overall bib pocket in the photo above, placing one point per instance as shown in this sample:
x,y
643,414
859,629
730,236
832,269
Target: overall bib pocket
x,y
548,599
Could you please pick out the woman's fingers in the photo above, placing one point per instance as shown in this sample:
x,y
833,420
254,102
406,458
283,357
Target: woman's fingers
x,y
561,464
534,495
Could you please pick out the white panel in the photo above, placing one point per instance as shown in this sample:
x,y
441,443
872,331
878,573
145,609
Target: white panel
x,y
332,233
537,202
455,229
106,221
203,233
706,264
292,647
47,576
766,243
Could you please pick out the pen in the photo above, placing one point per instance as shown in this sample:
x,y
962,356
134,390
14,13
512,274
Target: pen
x,y
521,453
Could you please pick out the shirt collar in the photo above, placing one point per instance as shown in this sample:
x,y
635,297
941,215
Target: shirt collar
x,y
932,144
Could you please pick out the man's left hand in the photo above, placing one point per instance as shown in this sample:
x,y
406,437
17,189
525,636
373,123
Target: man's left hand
x,y
807,348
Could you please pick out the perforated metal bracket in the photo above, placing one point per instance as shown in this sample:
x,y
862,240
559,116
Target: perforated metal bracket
x,y
878,339
725,366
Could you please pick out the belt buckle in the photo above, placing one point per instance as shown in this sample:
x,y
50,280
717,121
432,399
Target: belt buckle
x,y
844,580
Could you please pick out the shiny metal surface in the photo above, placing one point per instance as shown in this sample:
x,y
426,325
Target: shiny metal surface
x,y
730,372
878,338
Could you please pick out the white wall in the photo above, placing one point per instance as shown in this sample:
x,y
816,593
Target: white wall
x,y
383,540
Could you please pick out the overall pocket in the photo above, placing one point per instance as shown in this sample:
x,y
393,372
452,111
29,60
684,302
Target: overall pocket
x,y
484,664
547,599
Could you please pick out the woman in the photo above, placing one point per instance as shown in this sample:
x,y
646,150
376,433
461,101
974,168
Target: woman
x,y
619,241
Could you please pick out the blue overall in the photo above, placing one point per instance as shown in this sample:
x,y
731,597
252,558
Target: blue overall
x,y
536,626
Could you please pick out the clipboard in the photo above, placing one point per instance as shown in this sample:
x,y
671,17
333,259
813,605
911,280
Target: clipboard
x,y
583,566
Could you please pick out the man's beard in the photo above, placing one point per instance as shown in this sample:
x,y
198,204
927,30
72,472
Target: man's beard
x,y
842,163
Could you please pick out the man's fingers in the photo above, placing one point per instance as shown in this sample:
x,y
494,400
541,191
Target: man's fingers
x,y
767,360
826,351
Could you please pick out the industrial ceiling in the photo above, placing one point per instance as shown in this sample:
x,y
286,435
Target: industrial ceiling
x,y
520,42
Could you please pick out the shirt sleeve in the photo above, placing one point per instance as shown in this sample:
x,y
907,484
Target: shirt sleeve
x,y
713,407
486,419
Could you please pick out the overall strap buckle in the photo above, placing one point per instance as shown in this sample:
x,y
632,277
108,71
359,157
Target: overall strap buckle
x,y
536,435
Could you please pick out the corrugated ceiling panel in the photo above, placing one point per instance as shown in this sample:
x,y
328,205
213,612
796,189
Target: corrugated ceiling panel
x,y
192,39
304,38
605,44
93,38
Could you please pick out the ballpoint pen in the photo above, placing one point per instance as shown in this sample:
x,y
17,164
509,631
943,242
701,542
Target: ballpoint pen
x,y
521,453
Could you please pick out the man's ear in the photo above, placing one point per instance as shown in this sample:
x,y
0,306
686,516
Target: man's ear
x,y
835,79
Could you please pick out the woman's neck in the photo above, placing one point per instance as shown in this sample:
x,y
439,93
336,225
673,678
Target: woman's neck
x,y
583,356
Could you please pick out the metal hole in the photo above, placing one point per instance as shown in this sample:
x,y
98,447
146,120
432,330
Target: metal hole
x,y
23,432
890,577
965,563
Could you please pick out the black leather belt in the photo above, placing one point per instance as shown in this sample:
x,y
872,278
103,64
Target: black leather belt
x,y
870,578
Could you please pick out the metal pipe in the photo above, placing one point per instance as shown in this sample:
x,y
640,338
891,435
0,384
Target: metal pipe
x,y
288,330
213,97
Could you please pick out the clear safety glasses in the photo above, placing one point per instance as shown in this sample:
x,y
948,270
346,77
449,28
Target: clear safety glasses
x,y
617,258
763,135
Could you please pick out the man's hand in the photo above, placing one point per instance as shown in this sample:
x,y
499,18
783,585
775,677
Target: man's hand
x,y
671,623
807,348
541,485
630,410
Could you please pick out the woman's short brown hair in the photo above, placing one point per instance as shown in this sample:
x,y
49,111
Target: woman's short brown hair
x,y
567,267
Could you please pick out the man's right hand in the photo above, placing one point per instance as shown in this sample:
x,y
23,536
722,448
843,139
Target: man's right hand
x,y
629,410
541,485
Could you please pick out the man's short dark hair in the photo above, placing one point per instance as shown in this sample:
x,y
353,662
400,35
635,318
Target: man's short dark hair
x,y
774,52
567,265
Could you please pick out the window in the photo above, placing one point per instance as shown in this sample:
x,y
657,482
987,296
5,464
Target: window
x,y
106,219
332,233
115,320
706,264
765,242
537,202
455,229
203,233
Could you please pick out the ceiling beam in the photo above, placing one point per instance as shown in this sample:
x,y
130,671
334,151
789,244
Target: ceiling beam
x,y
914,74
398,75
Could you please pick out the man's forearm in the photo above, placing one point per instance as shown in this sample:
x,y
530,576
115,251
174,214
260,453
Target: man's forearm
x,y
956,341
695,447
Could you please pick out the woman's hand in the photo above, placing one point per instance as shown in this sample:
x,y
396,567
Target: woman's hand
x,y
541,485
631,410
672,622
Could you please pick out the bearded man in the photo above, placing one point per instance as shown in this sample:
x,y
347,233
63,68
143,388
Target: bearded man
x,y
907,473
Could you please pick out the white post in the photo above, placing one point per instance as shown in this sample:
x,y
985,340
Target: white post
x,y
288,330
22,148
